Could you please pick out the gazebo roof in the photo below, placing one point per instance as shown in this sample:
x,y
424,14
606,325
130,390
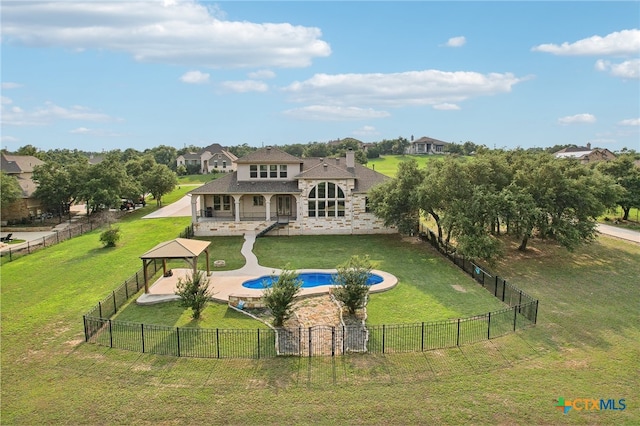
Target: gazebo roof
x,y
178,248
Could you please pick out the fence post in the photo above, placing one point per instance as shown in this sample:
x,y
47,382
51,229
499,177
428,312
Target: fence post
x,y
44,242
178,339
57,237
458,338
113,294
258,343
100,308
489,327
218,342
344,338
504,284
519,300
333,341
535,316
310,353
142,333
422,338
515,316
86,332
383,333
28,247
126,290
110,335
299,341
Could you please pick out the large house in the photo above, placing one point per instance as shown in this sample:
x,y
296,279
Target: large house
x,y
425,145
273,190
585,154
213,158
21,167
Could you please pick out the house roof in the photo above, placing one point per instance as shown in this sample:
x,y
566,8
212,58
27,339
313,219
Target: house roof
x,y
190,156
268,155
426,139
27,185
12,164
312,168
178,248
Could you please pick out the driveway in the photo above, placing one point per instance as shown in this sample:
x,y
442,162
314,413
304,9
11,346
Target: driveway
x,y
614,231
181,208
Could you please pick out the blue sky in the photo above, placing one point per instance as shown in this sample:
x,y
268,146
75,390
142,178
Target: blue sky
x,y
99,76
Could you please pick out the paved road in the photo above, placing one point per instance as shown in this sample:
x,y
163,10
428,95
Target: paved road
x,y
180,208
614,231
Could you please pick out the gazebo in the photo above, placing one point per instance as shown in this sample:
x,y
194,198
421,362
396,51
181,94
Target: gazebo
x,y
180,248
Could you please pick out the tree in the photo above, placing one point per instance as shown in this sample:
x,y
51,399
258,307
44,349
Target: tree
x,y
110,237
194,293
61,181
396,200
107,182
280,296
627,175
164,154
158,181
10,190
351,283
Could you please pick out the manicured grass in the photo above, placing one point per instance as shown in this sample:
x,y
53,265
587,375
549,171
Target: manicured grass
x,y
197,179
586,345
425,289
388,164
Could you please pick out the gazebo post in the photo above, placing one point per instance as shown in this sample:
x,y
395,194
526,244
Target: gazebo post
x,y
146,278
164,266
206,251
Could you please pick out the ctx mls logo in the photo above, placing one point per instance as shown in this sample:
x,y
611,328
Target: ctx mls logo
x,y
590,404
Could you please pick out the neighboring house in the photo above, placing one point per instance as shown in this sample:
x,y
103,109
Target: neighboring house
x,y
585,154
21,167
425,145
213,158
273,189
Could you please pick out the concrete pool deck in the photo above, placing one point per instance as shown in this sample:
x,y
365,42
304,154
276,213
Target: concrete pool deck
x,y
228,283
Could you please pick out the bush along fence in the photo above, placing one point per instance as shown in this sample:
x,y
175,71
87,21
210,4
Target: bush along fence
x,y
264,342
58,236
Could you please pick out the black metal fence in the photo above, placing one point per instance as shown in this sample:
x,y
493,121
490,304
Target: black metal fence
x,y
312,341
69,232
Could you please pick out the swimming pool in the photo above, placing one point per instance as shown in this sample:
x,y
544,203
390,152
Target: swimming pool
x,y
309,279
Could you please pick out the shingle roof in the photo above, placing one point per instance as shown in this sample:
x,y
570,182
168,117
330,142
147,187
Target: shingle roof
x,y
268,155
429,140
229,184
12,164
315,168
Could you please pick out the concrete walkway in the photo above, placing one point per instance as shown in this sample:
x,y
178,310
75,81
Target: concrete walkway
x,y
227,283
614,231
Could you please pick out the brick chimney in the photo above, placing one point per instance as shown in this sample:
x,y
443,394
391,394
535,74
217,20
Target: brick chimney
x,y
351,158
589,145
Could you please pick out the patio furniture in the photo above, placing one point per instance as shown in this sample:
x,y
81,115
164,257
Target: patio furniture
x,y
7,238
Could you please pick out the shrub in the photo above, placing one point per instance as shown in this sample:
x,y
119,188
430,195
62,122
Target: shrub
x,y
194,292
110,237
279,297
351,282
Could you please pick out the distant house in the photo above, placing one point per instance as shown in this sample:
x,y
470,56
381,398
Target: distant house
x,y
585,154
213,158
272,189
21,167
425,145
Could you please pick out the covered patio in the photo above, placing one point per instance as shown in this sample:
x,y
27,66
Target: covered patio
x,y
180,248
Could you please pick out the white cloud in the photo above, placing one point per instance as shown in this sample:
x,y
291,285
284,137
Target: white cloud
x,y
48,113
456,41
176,32
5,101
578,118
245,86
195,77
10,85
94,132
261,75
621,43
6,139
446,107
428,87
630,122
335,113
627,69
366,131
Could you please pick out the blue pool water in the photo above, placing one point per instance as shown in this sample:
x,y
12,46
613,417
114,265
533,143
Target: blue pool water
x,y
309,279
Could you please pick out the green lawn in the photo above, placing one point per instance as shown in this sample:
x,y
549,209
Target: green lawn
x,y
388,164
586,345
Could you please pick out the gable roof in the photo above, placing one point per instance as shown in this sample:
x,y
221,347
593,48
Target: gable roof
x,y
229,184
12,164
426,139
318,168
178,248
268,155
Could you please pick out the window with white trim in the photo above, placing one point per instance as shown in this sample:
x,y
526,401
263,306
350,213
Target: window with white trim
x,y
326,199
222,202
258,200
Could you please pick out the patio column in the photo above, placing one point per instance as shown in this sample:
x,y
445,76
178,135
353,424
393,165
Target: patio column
x,y
236,200
194,208
267,199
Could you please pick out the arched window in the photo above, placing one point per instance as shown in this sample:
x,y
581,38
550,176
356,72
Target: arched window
x,y
326,199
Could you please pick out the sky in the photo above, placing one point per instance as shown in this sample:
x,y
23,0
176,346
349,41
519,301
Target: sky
x,y
97,76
